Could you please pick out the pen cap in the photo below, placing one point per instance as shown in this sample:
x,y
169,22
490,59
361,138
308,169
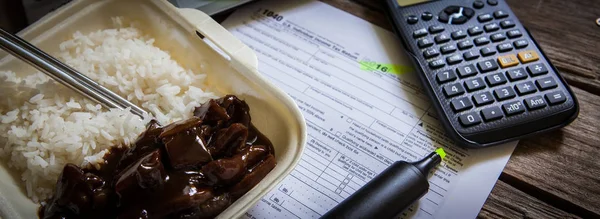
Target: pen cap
x,y
389,193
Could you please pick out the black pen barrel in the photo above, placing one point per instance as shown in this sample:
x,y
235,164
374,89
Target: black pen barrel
x,y
389,193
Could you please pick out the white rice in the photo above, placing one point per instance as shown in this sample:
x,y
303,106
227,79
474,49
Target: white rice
x,y
51,126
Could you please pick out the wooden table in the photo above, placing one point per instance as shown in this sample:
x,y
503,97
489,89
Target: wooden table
x,y
555,175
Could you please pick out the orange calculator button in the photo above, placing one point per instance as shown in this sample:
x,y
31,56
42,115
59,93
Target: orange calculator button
x,y
528,56
508,60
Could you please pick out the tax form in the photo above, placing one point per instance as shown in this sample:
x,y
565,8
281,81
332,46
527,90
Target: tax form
x,y
364,109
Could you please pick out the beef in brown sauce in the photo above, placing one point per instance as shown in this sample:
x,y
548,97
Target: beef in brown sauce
x,y
194,168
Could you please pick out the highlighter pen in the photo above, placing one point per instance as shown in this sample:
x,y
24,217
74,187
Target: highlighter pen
x,y
390,192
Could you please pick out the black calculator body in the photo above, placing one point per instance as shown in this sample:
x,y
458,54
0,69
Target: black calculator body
x,y
487,77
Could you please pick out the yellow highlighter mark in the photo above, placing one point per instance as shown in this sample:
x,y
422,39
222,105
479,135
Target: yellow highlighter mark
x,y
385,68
441,152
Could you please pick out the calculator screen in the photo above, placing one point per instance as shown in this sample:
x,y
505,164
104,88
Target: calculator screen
x,y
403,3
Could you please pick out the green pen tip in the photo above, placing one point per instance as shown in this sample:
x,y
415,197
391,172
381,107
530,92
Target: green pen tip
x,y
441,152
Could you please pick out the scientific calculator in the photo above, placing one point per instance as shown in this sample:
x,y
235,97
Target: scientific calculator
x,y
488,79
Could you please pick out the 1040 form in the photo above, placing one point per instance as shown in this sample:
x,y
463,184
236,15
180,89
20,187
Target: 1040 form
x,y
364,108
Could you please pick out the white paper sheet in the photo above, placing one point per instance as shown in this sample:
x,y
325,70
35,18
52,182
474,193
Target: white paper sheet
x,y
359,121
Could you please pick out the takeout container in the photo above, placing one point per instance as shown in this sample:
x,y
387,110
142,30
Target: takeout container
x,y
233,70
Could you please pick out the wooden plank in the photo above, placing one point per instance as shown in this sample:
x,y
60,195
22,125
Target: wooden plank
x,y
506,201
563,164
359,9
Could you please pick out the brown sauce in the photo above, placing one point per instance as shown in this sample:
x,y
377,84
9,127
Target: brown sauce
x,y
188,169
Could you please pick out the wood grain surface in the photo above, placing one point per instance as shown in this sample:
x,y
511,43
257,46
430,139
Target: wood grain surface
x,y
557,174
506,201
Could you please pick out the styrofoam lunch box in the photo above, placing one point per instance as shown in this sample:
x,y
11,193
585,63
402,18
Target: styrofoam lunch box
x,y
273,112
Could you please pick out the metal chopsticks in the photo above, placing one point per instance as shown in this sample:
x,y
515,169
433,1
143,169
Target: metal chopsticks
x,y
63,73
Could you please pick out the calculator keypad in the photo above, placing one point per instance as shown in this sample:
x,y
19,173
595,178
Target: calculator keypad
x,y
459,34
483,98
491,113
466,71
495,79
513,108
487,51
447,49
537,69
525,88
470,55
487,66
516,74
546,83
461,104
486,69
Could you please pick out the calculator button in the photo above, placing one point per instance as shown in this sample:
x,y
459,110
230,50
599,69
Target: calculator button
x,y
465,45
436,29
508,61
478,4
470,55
453,59
495,79
412,19
525,88
484,18
466,71
500,14
430,53
474,31
423,43
514,34
452,9
516,74
491,114
497,37
443,17
491,27
461,104
442,38
537,69
419,33
459,20
445,76
426,16
448,49
468,12
453,90
469,119
513,108
487,66
504,47
487,51
504,93
556,97
507,24
474,84
546,83
521,44
480,41
492,2
459,34
483,98
437,64
528,56
534,103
